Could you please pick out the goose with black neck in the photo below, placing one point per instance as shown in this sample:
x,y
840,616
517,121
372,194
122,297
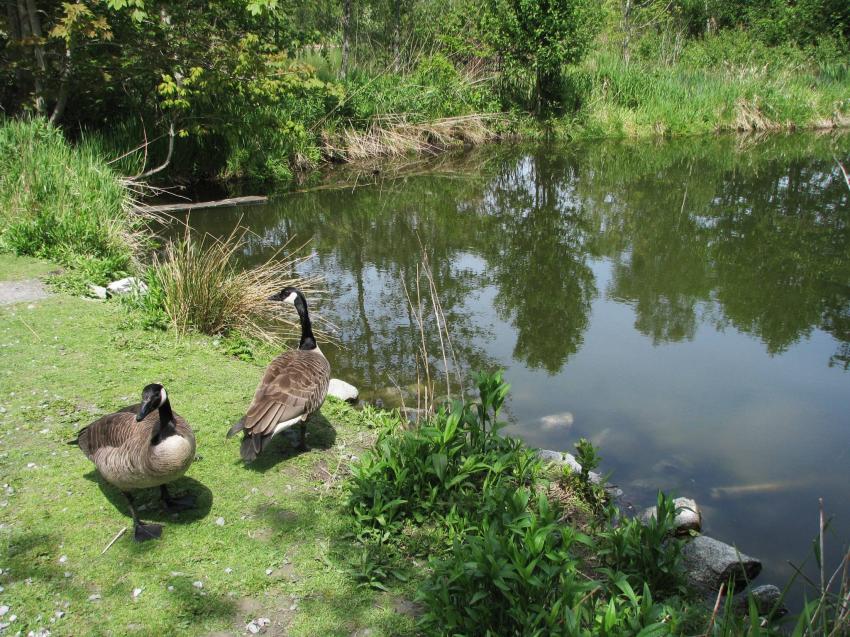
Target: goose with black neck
x,y
293,387
142,446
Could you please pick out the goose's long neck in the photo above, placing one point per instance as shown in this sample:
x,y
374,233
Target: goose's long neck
x,y
166,422
308,341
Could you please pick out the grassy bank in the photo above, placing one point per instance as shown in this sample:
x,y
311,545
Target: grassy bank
x,y
67,361
62,202
713,87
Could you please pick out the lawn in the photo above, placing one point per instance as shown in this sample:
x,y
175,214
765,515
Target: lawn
x,y
267,541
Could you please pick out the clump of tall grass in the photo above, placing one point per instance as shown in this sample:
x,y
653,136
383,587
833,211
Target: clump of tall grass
x,y
395,137
62,202
198,285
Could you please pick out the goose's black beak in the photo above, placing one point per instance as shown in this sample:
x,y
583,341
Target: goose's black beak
x,y
146,408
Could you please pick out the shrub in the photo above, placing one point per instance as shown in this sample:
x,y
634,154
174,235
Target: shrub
x,y
62,203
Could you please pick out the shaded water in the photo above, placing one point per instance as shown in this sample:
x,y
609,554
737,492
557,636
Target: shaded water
x,y
686,306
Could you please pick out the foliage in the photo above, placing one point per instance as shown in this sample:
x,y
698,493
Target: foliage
x,y
502,561
645,552
542,37
62,203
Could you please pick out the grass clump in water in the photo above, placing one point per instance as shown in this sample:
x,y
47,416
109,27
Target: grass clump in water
x,y
63,203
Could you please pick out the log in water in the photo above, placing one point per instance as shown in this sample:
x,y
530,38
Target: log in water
x,y
220,203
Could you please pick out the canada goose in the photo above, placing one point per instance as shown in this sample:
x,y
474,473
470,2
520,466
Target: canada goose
x,y
294,386
141,446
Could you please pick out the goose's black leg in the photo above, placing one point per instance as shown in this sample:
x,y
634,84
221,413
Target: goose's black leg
x,y
141,530
176,504
302,436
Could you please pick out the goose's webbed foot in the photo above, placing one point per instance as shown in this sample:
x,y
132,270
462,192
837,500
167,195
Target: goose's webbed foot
x,y
176,504
144,531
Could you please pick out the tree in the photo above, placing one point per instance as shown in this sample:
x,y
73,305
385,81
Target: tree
x,y
541,36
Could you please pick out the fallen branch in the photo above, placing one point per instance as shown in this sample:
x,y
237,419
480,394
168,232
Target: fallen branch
x,y
221,203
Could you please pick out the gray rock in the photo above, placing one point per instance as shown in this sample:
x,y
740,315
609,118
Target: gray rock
x,y
689,518
97,291
342,390
710,563
126,286
566,459
767,597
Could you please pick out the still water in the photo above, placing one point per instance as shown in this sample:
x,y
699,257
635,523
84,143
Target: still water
x,y
685,305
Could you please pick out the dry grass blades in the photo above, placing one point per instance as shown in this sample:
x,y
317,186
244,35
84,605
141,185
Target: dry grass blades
x,y
202,288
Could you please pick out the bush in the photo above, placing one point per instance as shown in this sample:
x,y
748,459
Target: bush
x,y
62,203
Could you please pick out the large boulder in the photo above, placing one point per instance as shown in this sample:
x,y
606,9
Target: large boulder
x,y
127,285
709,563
342,390
689,517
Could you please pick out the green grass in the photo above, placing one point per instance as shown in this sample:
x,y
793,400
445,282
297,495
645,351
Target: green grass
x,y
700,94
13,268
69,360
61,202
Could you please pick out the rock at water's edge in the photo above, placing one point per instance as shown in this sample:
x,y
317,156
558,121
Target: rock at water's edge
x,y
689,518
127,285
342,390
767,598
568,459
709,563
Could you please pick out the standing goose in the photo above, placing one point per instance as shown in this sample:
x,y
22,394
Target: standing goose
x,y
142,446
294,386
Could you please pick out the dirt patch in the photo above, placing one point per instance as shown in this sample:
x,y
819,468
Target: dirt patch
x,y
22,291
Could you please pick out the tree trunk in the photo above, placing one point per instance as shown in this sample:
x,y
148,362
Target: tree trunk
x,y
38,48
62,98
346,36
397,35
627,29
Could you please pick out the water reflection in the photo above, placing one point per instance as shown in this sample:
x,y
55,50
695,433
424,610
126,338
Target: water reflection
x,y
687,303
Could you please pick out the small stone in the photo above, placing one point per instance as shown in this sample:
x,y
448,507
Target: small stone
x,y
126,286
170,589
59,614
269,571
137,592
228,570
3,610
263,621
67,574
252,627
688,518
342,390
198,584
219,521
63,559
31,465
768,599
94,598
97,291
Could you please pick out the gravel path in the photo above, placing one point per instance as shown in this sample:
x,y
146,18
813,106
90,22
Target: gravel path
x,y
21,291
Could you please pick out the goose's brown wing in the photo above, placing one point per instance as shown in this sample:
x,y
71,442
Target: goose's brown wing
x,y
295,384
112,430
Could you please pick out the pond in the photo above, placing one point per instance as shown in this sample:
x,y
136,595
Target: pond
x,y
684,305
